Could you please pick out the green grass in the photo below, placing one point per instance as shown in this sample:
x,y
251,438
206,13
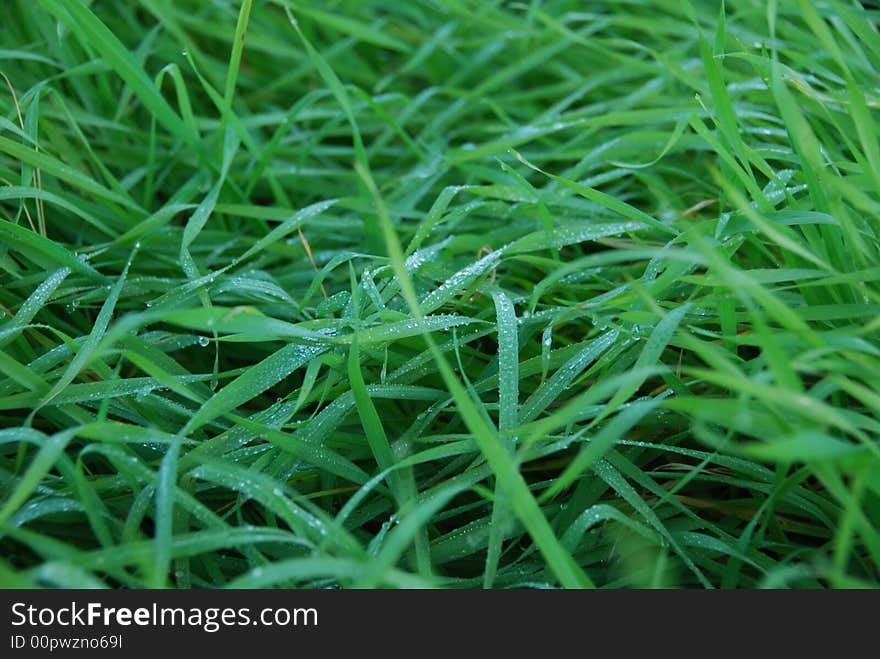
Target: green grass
x,y
457,294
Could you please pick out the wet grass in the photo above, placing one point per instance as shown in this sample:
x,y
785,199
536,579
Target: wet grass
x,y
444,293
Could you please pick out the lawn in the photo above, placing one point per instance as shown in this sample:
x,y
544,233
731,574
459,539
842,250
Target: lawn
x,y
446,293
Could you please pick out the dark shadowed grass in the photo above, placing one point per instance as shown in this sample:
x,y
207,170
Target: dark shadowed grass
x,y
446,293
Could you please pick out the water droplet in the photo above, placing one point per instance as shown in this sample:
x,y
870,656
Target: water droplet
x,y
204,341
546,344
183,52
148,304
137,245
